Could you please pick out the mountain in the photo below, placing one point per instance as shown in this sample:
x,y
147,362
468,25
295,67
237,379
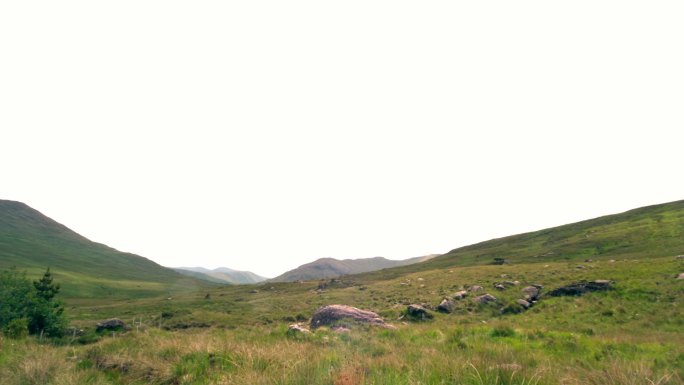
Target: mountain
x,y
324,268
31,241
221,275
644,232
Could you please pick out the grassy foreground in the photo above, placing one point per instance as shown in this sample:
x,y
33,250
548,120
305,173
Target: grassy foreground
x,y
238,334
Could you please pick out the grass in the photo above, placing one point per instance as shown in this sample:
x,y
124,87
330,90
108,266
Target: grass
x,y
629,335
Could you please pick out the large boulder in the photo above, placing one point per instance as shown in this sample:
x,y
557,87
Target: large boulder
x,y
582,287
484,299
418,312
111,324
331,314
531,293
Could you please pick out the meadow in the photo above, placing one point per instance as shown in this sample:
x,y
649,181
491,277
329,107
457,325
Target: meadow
x,y
631,334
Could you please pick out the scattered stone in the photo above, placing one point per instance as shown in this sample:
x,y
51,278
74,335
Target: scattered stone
x,y
537,286
255,291
679,257
531,293
328,315
297,329
588,260
581,287
579,267
680,276
418,311
523,303
420,280
110,324
612,261
485,298
403,283
499,286
511,283
446,306
459,295
475,288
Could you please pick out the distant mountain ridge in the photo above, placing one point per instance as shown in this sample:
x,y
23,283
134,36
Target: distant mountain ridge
x,y
221,275
31,241
325,268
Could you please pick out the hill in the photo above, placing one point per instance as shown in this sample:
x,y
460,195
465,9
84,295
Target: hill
x,y
644,232
31,241
221,275
325,268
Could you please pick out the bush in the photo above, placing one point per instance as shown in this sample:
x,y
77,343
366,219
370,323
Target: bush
x,y
16,328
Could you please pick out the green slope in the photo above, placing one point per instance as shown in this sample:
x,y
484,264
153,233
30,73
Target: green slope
x,y
31,241
650,231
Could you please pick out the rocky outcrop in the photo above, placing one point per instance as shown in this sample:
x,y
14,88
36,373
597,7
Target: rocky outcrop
x,y
329,315
580,288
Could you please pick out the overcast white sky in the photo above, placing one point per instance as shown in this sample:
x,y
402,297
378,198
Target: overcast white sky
x,y
261,135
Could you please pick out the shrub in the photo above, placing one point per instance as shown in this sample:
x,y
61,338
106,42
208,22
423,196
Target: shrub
x,y
16,328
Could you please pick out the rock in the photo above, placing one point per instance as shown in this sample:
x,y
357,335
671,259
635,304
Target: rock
x,y
680,276
459,295
446,306
418,311
588,260
511,283
523,303
579,288
485,298
255,291
475,288
297,329
110,324
328,315
579,267
499,286
679,257
531,293
537,286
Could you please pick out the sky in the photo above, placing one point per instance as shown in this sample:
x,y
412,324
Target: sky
x,y
261,135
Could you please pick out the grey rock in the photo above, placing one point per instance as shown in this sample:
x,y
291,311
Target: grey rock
x,y
499,286
110,324
531,293
475,288
459,295
523,303
680,276
418,311
446,306
485,298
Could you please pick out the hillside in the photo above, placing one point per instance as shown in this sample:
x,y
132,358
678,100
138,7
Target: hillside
x,y
644,232
324,268
221,275
31,241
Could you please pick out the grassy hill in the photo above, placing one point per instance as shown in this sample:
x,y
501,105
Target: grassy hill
x,y
325,268
31,241
649,231
221,275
